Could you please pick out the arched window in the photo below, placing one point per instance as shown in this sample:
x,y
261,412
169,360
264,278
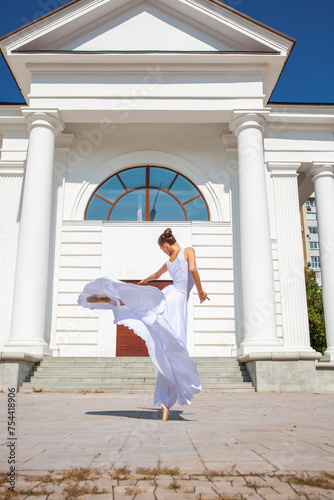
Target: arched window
x,y
147,194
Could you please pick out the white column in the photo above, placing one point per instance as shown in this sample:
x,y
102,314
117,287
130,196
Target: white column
x,y
257,276
231,148
290,256
31,278
323,178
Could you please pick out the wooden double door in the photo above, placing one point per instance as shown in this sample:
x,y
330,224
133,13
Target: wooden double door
x,y
127,342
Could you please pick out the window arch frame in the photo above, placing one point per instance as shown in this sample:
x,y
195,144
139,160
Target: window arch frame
x,y
147,187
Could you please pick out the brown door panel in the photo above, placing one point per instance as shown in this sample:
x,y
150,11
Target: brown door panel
x,y
127,342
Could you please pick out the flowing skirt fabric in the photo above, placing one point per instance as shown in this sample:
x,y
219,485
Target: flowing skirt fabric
x,y
159,317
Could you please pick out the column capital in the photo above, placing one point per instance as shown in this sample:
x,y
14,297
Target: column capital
x,y
321,170
248,119
48,118
282,169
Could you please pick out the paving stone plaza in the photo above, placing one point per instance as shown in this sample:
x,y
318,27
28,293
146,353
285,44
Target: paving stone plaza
x,y
223,446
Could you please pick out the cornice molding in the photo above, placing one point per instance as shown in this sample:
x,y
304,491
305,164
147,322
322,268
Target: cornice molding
x,y
283,169
8,167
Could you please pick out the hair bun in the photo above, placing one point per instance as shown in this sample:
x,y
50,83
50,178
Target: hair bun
x,y
166,237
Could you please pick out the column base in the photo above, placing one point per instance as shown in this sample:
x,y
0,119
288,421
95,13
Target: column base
x,y
282,355
38,347
273,346
259,346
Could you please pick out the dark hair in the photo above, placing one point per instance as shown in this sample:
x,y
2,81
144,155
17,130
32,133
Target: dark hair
x,y
166,237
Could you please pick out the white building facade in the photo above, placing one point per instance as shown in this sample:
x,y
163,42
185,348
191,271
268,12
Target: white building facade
x,y
313,236
118,94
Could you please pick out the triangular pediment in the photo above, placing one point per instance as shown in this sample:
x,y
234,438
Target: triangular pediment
x,y
206,35
120,25
145,28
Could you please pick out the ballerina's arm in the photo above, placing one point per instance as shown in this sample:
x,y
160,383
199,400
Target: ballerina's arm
x,y
190,257
154,276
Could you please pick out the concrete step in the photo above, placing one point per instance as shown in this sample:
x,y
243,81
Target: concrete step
x,y
152,371
126,387
132,369
30,390
104,365
121,383
130,374
125,381
124,378
129,359
132,362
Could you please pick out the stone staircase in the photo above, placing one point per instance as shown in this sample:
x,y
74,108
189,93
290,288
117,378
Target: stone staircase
x,y
132,374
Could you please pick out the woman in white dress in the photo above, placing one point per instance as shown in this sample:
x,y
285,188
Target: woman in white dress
x,y
160,318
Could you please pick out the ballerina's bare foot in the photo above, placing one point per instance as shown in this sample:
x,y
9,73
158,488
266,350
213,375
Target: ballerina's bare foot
x,y
165,412
98,298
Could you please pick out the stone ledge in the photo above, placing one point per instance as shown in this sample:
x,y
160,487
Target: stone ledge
x,y
280,356
20,356
325,365
328,358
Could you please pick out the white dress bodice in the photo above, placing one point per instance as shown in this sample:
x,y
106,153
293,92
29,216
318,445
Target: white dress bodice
x,y
179,271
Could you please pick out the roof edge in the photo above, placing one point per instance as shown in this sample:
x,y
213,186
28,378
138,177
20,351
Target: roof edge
x,y
124,52
35,21
4,103
249,18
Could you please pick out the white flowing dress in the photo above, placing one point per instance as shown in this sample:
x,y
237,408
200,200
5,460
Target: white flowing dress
x,y
159,317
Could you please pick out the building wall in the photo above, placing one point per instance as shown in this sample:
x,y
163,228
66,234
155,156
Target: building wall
x,y
197,151
77,247
14,142
92,249
89,249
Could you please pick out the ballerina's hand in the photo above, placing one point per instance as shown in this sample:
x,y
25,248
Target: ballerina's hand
x,y
143,282
203,296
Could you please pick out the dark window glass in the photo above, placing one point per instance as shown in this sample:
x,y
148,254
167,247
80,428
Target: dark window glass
x,y
148,194
98,209
134,177
130,207
183,189
161,177
111,189
196,209
164,207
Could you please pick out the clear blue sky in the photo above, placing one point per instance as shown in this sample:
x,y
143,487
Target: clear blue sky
x,y
307,77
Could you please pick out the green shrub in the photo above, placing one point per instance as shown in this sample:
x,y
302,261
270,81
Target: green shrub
x,y
315,311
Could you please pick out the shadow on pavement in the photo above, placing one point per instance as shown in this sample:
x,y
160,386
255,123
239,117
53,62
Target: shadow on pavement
x,y
142,414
